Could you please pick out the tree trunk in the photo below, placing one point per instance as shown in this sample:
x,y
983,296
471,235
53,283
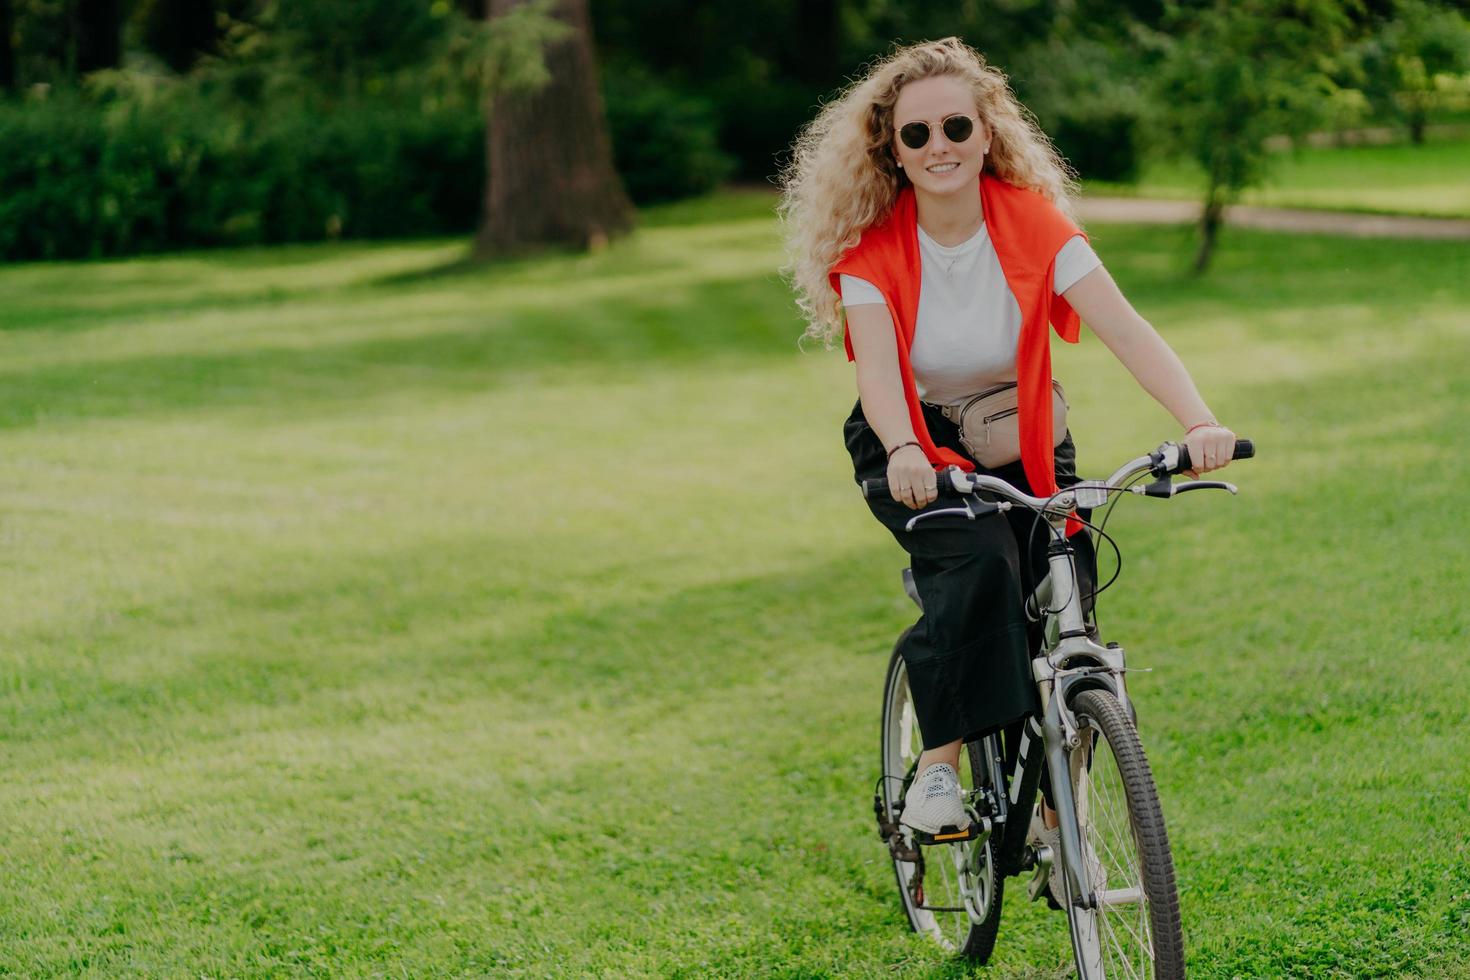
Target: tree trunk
x,y
1417,123
1209,226
98,32
550,174
7,50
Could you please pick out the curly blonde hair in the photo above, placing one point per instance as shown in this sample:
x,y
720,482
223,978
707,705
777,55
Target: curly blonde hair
x,y
843,176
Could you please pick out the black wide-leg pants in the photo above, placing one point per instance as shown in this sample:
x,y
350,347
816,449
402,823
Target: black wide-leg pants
x,y
969,654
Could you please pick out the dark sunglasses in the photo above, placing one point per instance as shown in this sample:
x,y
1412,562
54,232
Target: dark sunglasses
x,y
957,129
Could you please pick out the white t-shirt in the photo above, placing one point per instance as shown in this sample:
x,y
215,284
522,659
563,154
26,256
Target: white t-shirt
x,y
969,322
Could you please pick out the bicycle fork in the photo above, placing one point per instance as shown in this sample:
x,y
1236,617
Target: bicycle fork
x,y
1057,742
1084,663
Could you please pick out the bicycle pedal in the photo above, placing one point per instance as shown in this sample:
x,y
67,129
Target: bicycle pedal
x,y
948,834
1040,884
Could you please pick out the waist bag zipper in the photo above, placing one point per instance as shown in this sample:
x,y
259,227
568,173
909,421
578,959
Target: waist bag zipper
x,y
991,418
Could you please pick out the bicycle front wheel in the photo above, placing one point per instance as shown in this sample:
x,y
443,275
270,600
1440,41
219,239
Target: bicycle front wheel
x,y
1133,929
950,892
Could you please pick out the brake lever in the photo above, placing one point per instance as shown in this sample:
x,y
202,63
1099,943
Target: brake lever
x,y
972,509
1205,485
1165,487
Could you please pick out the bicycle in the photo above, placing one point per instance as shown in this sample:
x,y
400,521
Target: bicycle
x,y
1116,871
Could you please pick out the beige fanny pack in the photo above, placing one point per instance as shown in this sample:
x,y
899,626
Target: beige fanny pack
x,y
990,428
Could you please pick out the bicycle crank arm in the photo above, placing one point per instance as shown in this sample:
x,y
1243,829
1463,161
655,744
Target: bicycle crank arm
x,y
1042,879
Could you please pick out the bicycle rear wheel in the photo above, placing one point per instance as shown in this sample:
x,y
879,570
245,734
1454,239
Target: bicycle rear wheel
x,y
1134,929
950,892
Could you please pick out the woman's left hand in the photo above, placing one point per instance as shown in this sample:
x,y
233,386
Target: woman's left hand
x,y
1210,448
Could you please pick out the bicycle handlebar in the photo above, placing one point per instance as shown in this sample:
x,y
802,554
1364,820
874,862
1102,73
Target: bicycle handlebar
x,y
1168,459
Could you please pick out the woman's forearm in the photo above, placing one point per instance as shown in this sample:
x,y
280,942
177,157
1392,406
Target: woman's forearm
x,y
880,389
879,382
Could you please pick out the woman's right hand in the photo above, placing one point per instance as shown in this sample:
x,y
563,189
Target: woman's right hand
x,y
911,478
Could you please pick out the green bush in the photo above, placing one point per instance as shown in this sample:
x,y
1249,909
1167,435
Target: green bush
x,y
1102,143
196,167
78,180
759,120
48,204
665,143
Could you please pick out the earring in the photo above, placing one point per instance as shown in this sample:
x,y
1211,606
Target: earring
x,y
900,165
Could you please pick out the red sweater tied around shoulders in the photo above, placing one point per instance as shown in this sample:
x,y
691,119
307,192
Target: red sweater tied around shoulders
x,y
1027,231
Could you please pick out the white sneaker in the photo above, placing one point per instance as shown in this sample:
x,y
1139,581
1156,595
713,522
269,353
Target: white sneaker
x,y
933,804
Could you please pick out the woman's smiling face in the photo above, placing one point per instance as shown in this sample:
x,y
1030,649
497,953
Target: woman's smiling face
x,y
941,166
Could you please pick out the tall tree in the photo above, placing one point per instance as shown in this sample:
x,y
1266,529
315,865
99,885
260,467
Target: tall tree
x,y
548,156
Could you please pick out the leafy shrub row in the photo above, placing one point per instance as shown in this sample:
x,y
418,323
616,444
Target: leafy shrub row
x,y
79,180
665,143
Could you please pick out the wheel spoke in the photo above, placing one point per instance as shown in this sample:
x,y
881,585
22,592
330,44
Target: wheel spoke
x,y
1117,947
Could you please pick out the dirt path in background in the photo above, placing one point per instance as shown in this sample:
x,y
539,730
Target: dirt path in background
x,y
1139,210
1369,136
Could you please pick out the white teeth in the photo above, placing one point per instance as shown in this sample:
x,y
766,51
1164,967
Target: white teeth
x,y
941,168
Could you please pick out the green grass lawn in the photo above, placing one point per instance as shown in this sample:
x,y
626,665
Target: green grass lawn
x,y
367,616
1432,179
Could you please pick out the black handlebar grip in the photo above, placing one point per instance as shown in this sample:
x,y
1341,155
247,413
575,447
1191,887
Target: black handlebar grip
x,y
1244,449
878,488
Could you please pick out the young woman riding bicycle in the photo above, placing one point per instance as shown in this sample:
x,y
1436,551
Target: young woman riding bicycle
x,y
926,211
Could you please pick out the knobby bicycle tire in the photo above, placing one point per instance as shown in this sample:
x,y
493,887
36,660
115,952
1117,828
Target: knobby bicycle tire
x,y
1100,712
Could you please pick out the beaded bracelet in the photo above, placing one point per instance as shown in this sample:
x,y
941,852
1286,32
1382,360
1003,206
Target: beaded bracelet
x,y
900,446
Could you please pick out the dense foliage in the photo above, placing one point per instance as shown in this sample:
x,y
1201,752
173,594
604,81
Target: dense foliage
x,y
764,66
232,121
1406,68
296,122
665,142
77,180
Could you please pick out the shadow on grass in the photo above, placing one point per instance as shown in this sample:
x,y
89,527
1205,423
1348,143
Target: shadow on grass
x,y
470,267
457,352
369,637
450,615
88,294
468,346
